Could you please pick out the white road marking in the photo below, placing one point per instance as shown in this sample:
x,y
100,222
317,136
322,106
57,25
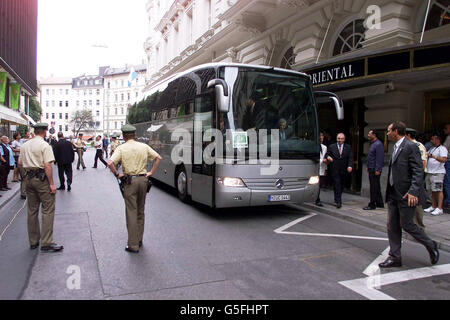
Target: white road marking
x,y
373,268
282,229
11,222
362,286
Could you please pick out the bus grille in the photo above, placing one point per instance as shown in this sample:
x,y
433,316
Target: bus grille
x,y
270,183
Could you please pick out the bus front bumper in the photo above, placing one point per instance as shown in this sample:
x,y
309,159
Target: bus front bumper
x,y
230,197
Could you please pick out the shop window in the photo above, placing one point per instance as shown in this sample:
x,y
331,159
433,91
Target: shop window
x,y
439,14
350,38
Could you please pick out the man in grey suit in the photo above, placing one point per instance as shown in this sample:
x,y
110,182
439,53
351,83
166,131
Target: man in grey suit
x,y
404,192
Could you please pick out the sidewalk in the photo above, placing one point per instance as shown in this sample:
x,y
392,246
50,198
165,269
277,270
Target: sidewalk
x,y
438,228
8,195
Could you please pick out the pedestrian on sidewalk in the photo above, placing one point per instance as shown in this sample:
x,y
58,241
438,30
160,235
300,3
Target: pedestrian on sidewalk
x,y
340,159
418,213
80,146
375,164
322,168
134,157
99,152
105,145
437,157
403,192
447,167
114,144
7,163
36,157
64,157
15,146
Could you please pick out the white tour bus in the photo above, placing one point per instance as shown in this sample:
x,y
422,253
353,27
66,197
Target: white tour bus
x,y
234,135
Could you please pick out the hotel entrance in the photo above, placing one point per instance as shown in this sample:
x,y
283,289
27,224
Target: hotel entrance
x,y
353,127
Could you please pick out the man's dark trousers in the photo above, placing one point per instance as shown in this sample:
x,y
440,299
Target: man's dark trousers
x,y
402,216
339,183
99,155
376,199
65,169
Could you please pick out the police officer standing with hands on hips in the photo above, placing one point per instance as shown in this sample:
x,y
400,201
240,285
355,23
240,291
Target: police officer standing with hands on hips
x,y
36,157
134,156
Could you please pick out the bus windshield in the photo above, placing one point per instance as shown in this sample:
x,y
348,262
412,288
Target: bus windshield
x,y
273,100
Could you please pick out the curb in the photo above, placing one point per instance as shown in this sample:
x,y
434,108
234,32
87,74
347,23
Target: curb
x,y
369,224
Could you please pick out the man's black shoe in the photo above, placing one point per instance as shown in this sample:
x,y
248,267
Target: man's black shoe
x,y
3,189
369,208
69,188
22,197
319,204
131,250
434,254
391,263
140,244
339,205
94,167
52,248
34,246
7,188
61,188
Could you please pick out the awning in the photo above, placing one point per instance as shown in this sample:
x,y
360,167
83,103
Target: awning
x,y
155,128
11,116
28,118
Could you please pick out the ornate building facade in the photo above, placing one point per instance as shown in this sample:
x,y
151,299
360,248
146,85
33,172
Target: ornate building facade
x,y
387,59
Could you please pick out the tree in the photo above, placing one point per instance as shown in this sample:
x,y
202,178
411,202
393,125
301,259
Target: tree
x,y
35,109
80,120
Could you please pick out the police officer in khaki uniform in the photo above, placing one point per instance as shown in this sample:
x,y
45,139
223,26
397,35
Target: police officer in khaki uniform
x,y
134,156
114,144
79,145
36,157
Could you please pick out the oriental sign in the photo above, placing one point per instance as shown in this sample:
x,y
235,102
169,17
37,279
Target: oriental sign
x,y
338,72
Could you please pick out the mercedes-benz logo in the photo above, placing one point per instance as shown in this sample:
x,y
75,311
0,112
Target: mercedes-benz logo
x,y
279,184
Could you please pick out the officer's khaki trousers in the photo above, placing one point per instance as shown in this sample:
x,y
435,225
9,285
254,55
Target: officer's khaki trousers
x,y
135,194
80,158
38,192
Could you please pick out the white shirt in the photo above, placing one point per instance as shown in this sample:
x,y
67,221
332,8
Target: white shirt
x,y
397,146
433,165
16,145
98,144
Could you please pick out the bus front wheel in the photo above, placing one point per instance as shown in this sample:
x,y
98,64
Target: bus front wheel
x,y
182,185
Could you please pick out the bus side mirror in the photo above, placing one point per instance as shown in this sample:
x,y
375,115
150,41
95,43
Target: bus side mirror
x,y
325,96
222,94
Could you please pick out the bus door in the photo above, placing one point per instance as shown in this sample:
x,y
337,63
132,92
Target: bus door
x,y
202,173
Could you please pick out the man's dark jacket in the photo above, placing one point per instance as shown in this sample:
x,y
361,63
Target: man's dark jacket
x,y
64,153
340,163
408,174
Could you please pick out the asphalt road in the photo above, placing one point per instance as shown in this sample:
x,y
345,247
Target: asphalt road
x,y
191,252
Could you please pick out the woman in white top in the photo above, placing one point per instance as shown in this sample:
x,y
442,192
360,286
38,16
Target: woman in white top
x,y
322,168
99,152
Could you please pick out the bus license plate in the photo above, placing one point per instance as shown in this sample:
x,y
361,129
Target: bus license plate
x,y
279,198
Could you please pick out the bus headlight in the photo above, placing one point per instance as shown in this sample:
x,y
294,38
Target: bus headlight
x,y
231,182
314,180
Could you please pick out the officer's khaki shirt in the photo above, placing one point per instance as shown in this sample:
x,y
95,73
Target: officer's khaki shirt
x,y
134,157
79,143
35,153
114,145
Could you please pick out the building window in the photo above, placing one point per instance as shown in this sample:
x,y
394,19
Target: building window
x,y
121,110
47,104
60,116
97,113
115,124
98,102
53,116
67,91
67,117
60,128
117,97
85,103
53,91
109,85
439,14
46,115
53,103
288,59
98,92
121,83
128,96
67,103
78,103
67,128
60,103
115,111
90,92
48,91
350,38
90,103
60,91
121,96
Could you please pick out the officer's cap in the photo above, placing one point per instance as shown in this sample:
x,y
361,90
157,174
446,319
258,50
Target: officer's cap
x,y
128,128
41,125
408,130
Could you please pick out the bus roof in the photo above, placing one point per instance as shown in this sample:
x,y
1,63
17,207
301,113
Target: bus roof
x,y
224,64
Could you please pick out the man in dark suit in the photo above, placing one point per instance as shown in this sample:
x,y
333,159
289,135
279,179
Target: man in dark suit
x,y
64,156
404,192
340,160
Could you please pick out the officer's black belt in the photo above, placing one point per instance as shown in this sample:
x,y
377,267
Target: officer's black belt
x,y
138,175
